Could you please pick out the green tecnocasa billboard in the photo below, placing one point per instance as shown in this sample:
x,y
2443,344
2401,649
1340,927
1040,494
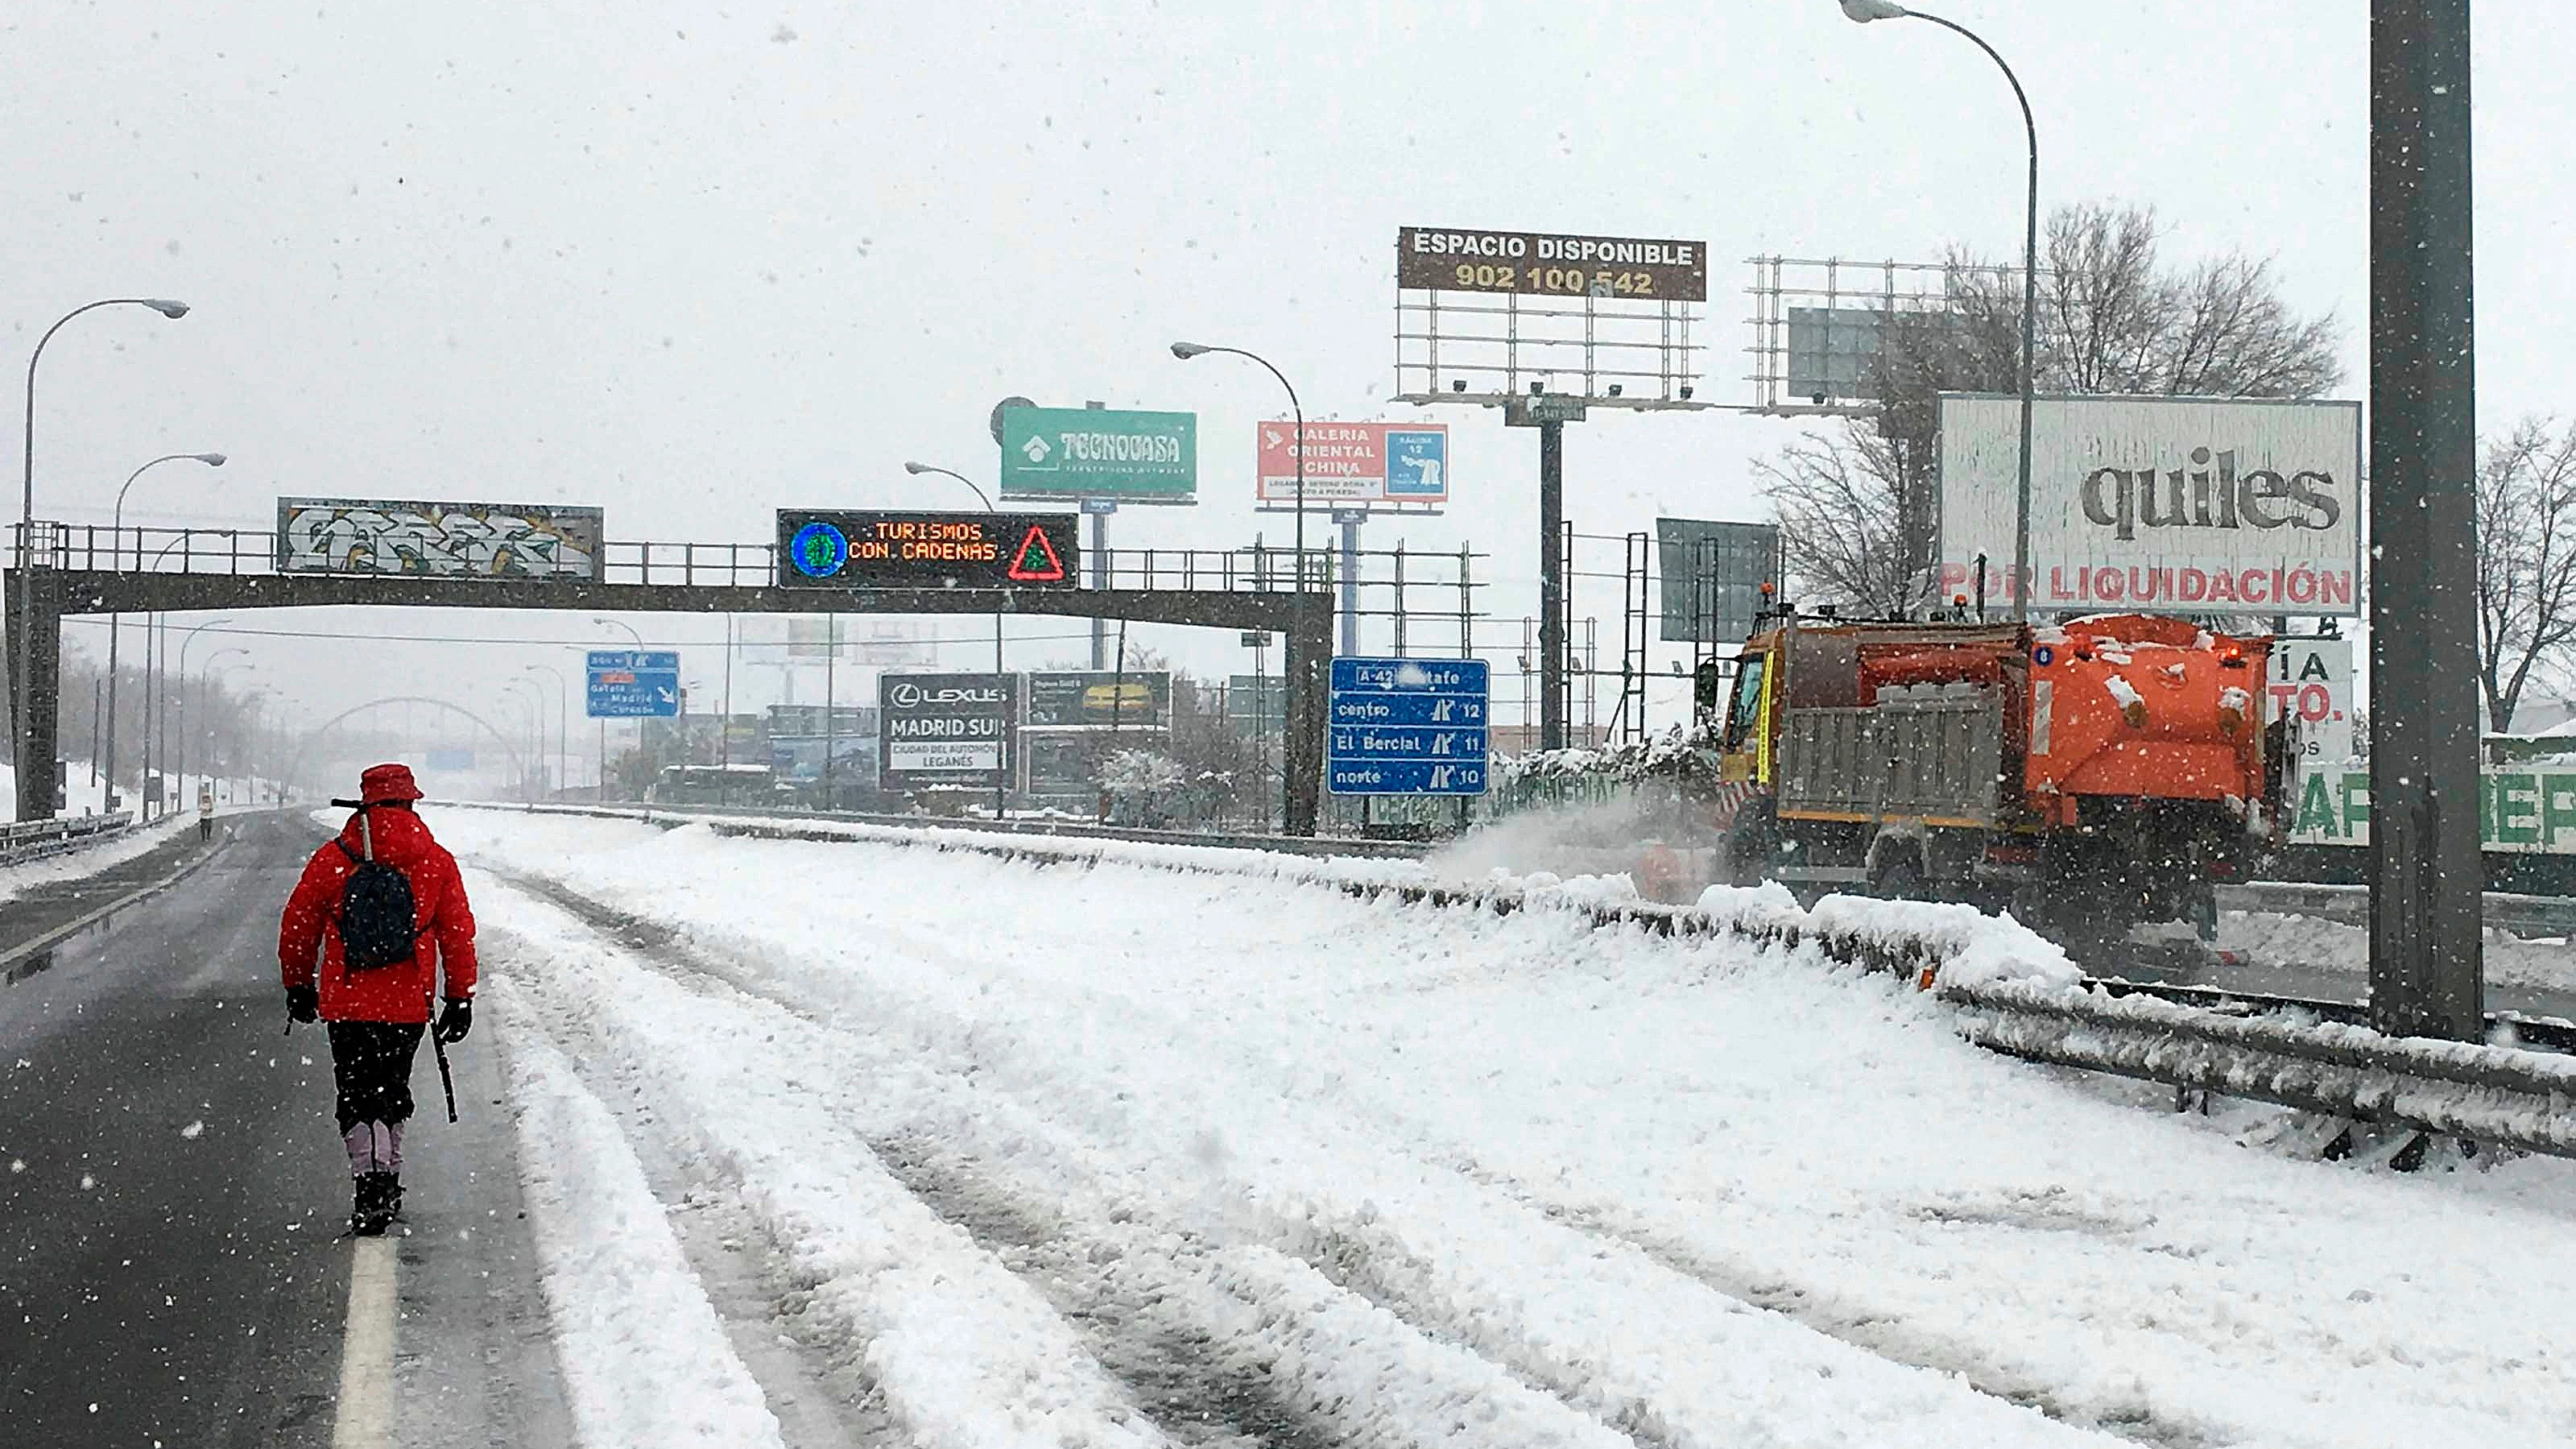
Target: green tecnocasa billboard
x,y
1133,457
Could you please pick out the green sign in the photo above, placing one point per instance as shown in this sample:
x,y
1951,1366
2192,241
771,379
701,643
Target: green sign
x,y
1099,453
2520,811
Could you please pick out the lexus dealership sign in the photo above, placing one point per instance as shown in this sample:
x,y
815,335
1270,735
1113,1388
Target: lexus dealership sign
x,y
2169,505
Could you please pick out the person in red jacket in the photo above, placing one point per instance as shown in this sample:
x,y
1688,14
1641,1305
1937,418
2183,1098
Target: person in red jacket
x,y
375,1012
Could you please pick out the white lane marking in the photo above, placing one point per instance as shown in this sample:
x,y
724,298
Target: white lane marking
x,y
366,1416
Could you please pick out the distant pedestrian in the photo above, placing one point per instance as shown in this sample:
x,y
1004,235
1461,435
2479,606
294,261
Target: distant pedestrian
x,y
378,919
205,812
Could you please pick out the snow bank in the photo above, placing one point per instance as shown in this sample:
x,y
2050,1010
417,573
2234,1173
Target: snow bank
x,y
17,880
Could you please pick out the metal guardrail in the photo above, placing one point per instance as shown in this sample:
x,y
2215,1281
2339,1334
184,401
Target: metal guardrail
x,y
2304,1054
37,839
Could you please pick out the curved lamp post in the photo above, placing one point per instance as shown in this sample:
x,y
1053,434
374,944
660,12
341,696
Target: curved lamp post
x,y
638,640
563,725
1187,350
116,622
24,674
1865,11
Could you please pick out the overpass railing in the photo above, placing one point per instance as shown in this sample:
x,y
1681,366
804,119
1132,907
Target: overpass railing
x,y
1439,583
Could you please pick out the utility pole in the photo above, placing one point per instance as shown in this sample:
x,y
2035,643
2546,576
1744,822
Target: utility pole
x,y
2426,877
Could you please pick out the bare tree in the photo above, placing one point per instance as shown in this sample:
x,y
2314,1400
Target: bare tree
x,y
2526,513
1843,508
2112,319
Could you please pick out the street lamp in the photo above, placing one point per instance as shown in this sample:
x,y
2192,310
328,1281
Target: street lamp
x,y
638,639
1865,11
205,674
563,723
25,674
536,694
1187,350
116,622
162,750
916,470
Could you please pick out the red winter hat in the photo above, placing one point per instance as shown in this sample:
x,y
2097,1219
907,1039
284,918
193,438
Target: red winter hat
x,y
387,782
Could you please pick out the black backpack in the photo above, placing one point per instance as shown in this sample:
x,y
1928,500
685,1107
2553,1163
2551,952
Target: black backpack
x,y
376,908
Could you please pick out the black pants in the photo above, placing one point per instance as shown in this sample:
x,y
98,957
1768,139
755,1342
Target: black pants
x,y
371,1066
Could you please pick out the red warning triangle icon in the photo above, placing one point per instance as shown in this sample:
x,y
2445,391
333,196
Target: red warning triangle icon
x,y
1036,562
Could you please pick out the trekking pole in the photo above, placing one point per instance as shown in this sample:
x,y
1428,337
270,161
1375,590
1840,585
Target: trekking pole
x,y
438,1044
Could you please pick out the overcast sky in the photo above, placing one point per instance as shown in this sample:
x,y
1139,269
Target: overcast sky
x,y
693,265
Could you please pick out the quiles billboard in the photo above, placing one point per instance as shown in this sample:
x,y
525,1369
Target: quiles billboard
x,y
2168,505
1354,464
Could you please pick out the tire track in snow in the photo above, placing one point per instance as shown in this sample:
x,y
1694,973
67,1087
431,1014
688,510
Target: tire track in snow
x,y
1221,1347
1368,1261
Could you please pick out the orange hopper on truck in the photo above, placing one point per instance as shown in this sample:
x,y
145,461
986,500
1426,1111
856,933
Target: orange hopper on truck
x,y
2087,776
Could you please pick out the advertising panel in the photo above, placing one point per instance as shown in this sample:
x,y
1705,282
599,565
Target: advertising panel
x,y
1551,264
1101,698
1712,576
1355,464
1133,457
946,729
442,540
845,548
2181,505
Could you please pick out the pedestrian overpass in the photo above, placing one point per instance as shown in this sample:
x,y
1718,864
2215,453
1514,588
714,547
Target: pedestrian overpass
x,y
80,569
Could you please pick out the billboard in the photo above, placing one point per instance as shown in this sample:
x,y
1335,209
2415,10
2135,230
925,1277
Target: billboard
x,y
845,548
2179,505
442,540
946,729
1351,464
1101,698
1712,577
1133,457
1551,264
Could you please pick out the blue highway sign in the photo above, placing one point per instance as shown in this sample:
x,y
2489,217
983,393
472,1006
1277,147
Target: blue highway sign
x,y
1408,727
634,684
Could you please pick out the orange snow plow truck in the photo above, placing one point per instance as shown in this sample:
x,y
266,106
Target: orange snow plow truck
x,y
2087,777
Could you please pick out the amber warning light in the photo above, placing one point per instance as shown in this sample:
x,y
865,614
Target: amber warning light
x,y
854,548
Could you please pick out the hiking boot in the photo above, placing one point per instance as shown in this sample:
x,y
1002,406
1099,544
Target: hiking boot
x,y
375,1201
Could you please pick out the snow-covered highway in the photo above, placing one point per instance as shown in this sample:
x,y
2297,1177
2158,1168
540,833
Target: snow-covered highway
x,y
872,1144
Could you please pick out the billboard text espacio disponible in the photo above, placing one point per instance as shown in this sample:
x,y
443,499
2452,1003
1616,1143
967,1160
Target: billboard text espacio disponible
x,y
1356,463
1133,457
1551,264
443,540
847,548
2196,505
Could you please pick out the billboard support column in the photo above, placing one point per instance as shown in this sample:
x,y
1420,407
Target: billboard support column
x,y
1099,579
1551,584
2426,976
1350,519
35,643
1308,670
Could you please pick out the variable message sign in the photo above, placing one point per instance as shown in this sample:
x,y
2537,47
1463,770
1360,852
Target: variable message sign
x,y
1551,264
1407,727
1355,463
877,549
443,540
634,683
1133,457
946,729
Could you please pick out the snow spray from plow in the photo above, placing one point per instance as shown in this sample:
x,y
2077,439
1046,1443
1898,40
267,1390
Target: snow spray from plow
x,y
2012,992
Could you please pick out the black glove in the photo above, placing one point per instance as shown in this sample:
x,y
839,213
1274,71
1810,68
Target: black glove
x,y
456,1020
303,1003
